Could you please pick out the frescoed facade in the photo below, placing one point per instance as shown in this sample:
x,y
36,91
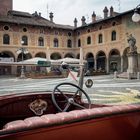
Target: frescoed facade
x,y
104,41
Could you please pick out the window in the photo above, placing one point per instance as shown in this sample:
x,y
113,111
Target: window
x,y
100,38
89,40
6,39
78,33
24,29
100,28
88,31
42,31
56,33
79,43
69,43
6,28
69,33
113,35
40,41
55,42
25,40
114,23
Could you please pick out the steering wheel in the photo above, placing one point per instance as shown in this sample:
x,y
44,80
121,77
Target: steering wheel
x,y
70,100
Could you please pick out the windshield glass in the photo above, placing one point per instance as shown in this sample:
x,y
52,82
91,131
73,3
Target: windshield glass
x,y
105,89
37,53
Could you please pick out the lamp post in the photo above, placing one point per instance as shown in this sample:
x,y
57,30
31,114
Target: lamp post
x,y
48,58
23,51
136,15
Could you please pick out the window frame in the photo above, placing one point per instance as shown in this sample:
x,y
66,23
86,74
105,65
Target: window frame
x,y
69,43
40,41
100,38
55,43
88,40
113,35
25,40
79,42
6,39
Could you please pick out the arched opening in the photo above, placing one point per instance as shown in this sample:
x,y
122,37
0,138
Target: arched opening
x,y
41,54
114,61
70,55
78,56
90,61
55,56
101,61
25,57
6,56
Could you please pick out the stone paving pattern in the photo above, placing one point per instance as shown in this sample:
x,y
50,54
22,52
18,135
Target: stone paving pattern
x,y
105,90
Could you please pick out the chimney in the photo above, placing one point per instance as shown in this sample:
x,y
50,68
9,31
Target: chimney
x,y
105,12
39,14
93,17
35,14
111,11
75,22
51,17
83,21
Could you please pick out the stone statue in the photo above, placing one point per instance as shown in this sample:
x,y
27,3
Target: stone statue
x,y
132,57
132,41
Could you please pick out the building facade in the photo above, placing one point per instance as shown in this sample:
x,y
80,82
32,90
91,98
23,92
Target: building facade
x,y
104,41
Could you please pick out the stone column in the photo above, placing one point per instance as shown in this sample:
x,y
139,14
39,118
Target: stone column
x,y
107,64
95,64
122,63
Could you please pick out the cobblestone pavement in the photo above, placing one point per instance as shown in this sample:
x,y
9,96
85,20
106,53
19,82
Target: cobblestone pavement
x,y
106,89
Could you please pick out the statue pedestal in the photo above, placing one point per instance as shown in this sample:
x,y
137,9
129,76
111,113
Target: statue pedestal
x,y
132,65
132,71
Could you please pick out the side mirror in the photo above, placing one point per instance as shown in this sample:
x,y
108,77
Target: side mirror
x,y
89,83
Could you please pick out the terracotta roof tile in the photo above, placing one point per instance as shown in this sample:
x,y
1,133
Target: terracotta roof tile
x,y
30,19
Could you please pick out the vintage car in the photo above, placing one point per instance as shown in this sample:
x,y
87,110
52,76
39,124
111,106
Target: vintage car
x,y
62,114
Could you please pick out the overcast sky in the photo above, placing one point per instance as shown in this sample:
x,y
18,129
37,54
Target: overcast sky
x,y
66,10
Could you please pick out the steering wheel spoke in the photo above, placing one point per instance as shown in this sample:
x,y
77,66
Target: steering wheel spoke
x,y
78,105
71,100
62,93
66,108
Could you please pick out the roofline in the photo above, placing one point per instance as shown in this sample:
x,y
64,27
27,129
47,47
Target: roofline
x,y
30,24
106,19
72,28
